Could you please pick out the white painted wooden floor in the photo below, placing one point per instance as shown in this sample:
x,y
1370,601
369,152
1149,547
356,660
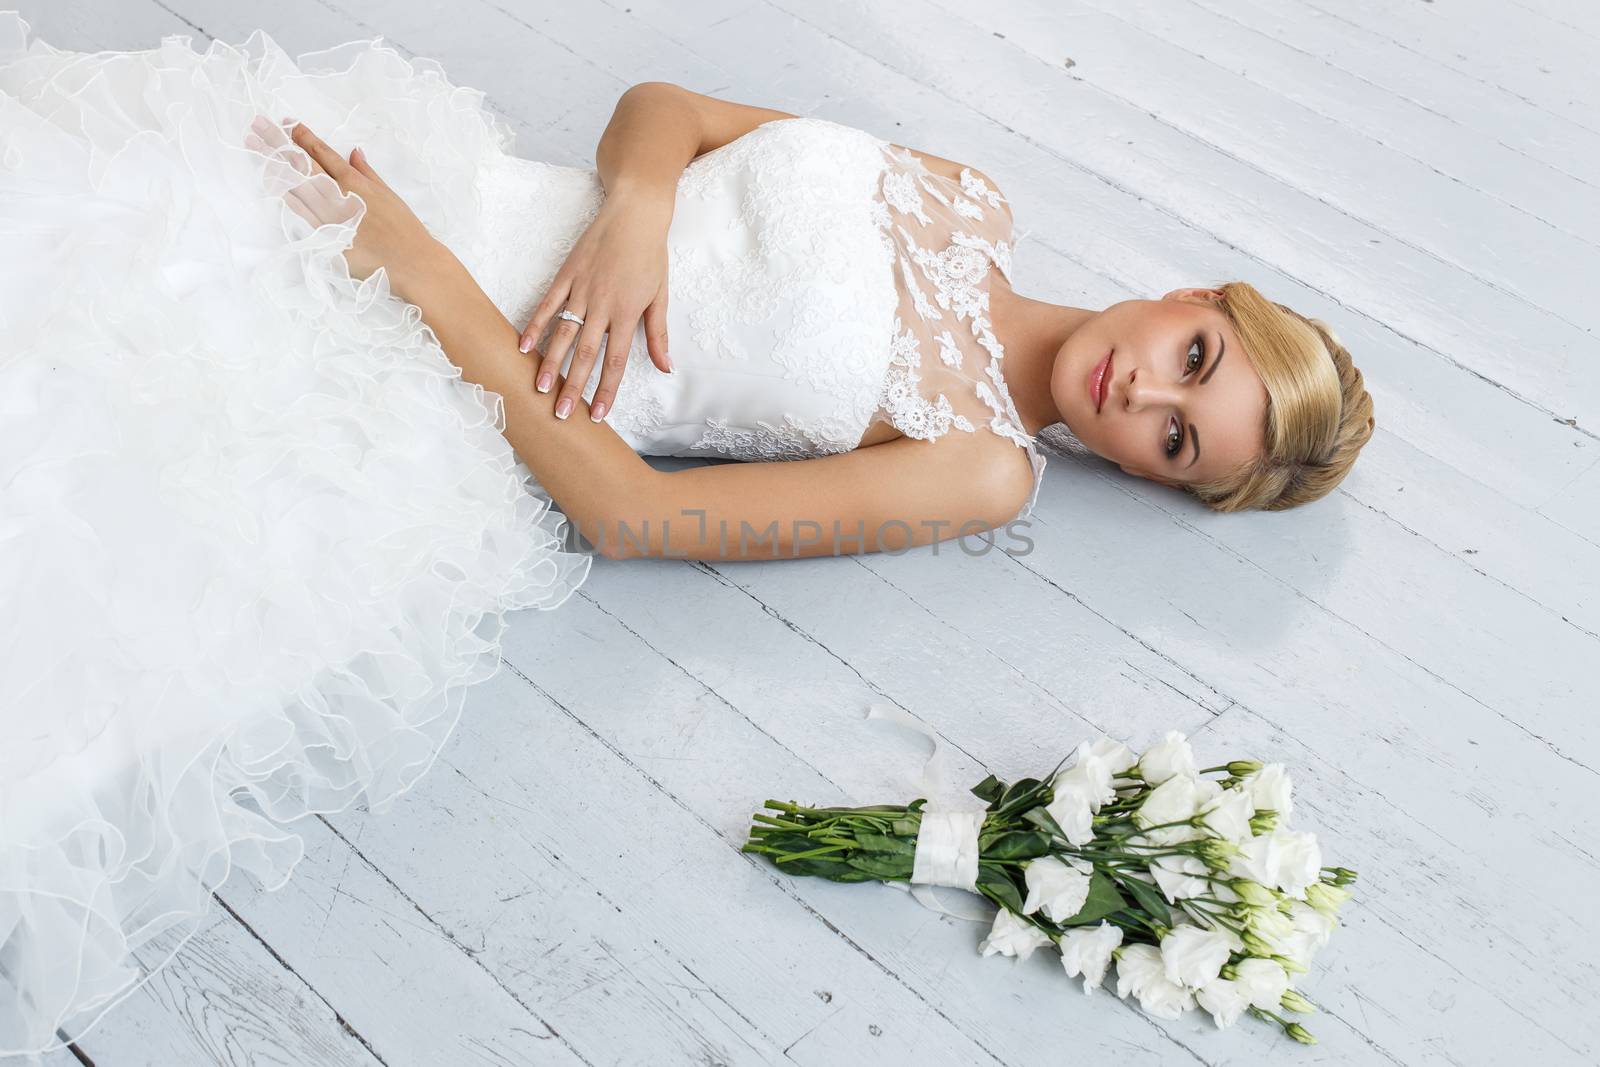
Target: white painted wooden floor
x,y
565,886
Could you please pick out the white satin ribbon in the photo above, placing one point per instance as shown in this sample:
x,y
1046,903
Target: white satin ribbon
x,y
947,842
947,849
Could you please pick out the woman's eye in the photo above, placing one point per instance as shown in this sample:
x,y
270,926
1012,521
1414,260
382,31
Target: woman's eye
x,y
1174,438
1196,358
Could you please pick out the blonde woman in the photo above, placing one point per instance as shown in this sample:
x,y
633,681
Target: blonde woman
x,y
906,403
279,462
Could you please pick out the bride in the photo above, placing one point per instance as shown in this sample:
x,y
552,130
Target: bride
x,y
276,465
805,254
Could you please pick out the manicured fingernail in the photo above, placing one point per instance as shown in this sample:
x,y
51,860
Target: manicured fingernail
x,y
597,412
525,344
564,408
668,361
545,381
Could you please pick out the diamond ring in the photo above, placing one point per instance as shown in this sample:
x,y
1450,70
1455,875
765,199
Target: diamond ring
x,y
570,317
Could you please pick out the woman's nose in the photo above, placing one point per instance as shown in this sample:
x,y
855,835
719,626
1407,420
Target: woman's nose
x,y
1143,390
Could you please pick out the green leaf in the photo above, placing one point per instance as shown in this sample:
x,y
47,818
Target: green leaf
x,y
881,866
907,827
1018,792
1016,845
989,789
790,842
824,867
1149,898
1103,900
999,886
1044,821
884,843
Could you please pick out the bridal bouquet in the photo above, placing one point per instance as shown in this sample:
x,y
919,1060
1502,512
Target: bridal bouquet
x,y
1194,885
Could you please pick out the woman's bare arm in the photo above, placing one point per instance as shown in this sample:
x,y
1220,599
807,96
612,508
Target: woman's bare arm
x,y
659,128
885,497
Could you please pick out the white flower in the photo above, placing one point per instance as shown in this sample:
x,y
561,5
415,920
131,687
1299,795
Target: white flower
x,y
1262,981
1224,893
1072,811
1291,860
1225,1000
1012,936
1087,951
1257,860
1311,931
1299,860
1177,877
1228,814
1140,972
1088,776
1170,756
1094,765
1176,799
1059,888
1269,789
1115,754
1192,955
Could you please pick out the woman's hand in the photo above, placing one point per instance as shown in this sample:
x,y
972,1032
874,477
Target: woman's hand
x,y
390,235
616,273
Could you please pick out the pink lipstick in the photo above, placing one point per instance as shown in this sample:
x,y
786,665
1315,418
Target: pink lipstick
x,y
1098,377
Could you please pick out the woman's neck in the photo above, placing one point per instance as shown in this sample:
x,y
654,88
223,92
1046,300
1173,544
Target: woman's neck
x,y
1032,333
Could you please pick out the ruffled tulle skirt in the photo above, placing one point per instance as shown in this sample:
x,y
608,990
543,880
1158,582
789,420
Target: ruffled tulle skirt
x,y
257,536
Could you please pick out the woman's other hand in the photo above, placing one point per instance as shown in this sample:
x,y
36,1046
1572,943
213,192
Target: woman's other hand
x,y
615,275
389,235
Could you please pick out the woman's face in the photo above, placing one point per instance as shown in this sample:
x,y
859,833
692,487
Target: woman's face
x,y
1178,378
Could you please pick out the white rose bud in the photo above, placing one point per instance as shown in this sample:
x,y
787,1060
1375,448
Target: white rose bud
x,y
1326,898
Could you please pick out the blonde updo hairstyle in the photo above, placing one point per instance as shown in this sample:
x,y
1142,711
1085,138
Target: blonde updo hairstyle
x,y
1318,412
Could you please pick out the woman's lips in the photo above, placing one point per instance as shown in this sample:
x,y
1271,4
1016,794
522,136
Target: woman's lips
x,y
1098,376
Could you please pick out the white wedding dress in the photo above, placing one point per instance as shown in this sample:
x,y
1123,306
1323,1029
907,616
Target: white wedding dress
x,y
258,537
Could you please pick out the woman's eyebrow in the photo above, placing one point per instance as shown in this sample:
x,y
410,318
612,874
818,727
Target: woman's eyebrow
x,y
1194,435
1222,348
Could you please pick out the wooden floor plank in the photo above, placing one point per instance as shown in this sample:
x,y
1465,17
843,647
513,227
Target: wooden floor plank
x,y
1544,68
226,998
1379,61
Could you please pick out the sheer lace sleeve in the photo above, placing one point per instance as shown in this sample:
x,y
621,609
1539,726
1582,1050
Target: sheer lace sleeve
x,y
945,369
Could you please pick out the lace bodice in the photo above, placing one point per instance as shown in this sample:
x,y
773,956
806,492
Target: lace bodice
x,y
820,281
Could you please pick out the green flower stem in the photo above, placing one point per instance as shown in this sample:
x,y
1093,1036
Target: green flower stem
x,y
815,852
